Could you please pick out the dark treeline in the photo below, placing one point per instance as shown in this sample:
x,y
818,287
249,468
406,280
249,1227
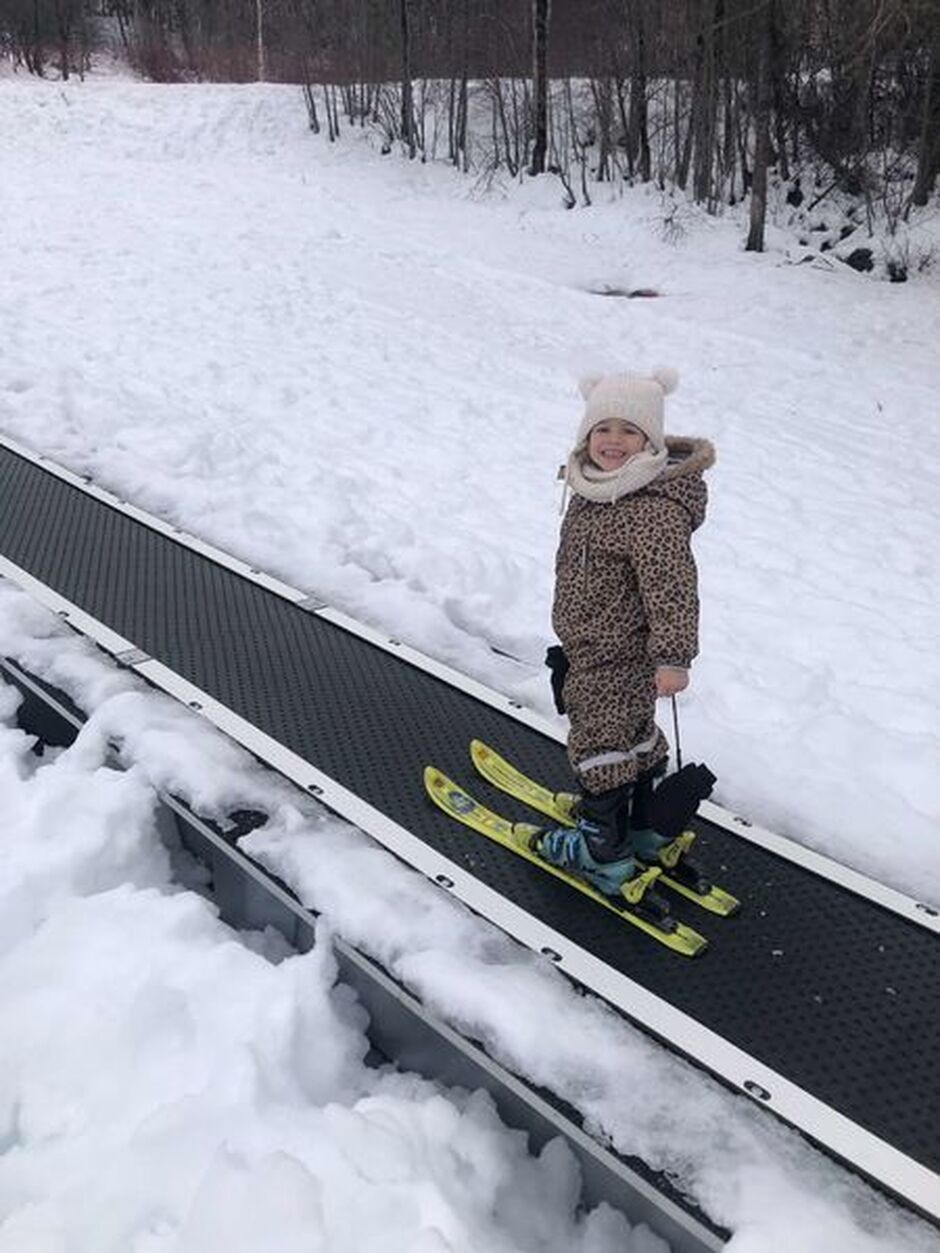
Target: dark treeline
x,y
705,95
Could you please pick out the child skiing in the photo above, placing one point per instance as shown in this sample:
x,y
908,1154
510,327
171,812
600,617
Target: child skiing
x,y
626,613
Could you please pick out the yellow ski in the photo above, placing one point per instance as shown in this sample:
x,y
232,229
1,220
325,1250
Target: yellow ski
x,y
558,805
453,800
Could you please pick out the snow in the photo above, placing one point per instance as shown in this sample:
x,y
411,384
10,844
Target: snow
x,y
359,374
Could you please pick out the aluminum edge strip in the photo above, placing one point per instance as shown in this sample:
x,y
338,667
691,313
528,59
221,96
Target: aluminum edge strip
x,y
83,622
921,913
868,1153
608,1160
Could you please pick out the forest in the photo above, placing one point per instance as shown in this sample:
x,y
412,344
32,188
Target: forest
x,y
718,99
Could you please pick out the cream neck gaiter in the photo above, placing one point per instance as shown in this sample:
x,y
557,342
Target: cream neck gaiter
x,y
585,479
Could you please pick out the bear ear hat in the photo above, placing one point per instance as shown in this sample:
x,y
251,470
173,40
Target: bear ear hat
x,y
587,384
667,378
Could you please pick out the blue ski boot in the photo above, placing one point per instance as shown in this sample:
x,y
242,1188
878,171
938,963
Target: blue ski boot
x,y
568,849
598,849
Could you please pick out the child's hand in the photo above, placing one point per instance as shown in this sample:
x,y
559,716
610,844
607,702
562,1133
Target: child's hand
x,y
670,679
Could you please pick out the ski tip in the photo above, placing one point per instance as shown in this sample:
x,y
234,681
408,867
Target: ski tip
x,y
434,780
445,793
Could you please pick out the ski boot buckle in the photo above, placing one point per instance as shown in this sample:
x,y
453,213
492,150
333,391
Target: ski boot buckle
x,y
670,854
635,889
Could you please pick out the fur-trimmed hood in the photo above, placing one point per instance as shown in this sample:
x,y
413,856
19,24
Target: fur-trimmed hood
x,y
682,480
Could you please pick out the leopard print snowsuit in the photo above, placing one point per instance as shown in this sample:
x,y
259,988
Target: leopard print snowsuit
x,y
626,601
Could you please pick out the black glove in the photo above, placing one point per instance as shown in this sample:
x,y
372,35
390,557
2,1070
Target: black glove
x,y
673,804
557,662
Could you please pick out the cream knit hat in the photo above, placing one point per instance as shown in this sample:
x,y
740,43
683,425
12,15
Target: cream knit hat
x,y
633,398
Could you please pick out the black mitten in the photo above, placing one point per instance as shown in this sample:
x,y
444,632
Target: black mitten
x,y
673,804
557,662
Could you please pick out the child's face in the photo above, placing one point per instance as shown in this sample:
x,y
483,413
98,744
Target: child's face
x,y
611,444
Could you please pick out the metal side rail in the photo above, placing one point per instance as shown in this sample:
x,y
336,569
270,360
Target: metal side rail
x,y
400,1029
819,1000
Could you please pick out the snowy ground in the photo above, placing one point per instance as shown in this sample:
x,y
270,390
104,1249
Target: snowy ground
x,y
361,377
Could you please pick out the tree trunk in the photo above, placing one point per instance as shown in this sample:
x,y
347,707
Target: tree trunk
x,y
332,112
407,96
541,16
311,104
64,16
762,98
639,137
259,31
704,105
928,147
683,145
460,135
602,93
777,69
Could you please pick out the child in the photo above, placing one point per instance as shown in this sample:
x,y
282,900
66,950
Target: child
x,y
626,613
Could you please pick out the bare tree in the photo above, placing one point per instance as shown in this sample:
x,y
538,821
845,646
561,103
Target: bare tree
x,y
638,140
928,142
705,99
713,95
541,17
407,96
764,20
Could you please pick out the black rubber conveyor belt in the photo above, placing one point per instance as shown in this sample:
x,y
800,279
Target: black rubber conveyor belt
x,y
830,990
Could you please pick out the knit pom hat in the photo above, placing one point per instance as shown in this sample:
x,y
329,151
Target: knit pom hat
x,y
633,398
